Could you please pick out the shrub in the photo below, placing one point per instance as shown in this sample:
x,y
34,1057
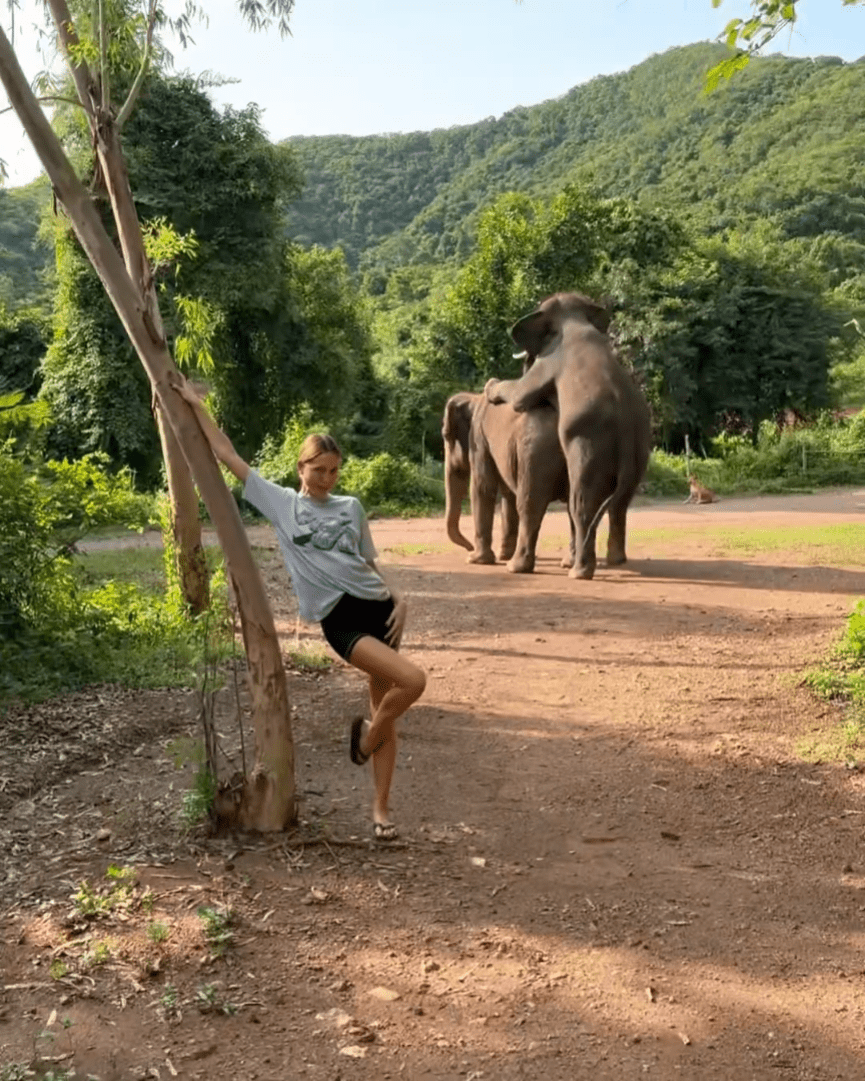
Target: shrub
x,y
389,485
58,630
828,452
278,460
85,495
665,475
384,483
26,554
825,453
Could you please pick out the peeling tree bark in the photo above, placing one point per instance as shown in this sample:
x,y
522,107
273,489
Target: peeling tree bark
x,y
269,801
190,561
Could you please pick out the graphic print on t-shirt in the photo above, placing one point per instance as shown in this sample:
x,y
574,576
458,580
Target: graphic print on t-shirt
x,y
327,533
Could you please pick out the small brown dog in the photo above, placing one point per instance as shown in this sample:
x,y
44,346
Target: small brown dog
x,y
699,493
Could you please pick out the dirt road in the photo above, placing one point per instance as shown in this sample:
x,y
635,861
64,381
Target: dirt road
x,y
621,856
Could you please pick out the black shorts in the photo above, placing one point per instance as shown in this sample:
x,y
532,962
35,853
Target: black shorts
x,y
353,618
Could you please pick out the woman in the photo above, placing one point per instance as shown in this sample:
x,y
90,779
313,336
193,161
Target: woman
x,y
330,557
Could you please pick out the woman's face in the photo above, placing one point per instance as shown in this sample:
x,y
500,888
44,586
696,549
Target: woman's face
x,y
319,475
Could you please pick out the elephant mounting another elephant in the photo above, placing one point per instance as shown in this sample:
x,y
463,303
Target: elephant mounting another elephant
x,y
502,452
603,423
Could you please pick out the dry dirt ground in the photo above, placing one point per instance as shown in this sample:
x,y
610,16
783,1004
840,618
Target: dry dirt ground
x,y
614,862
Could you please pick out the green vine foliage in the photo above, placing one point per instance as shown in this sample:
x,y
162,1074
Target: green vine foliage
x,y
59,628
97,388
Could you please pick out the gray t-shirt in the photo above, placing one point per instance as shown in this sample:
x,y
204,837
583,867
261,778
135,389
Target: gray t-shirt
x,y
325,545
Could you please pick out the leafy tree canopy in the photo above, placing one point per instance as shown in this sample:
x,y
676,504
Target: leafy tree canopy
x,y
721,333
212,178
23,256
23,341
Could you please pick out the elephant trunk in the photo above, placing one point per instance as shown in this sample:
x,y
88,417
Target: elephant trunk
x,y
456,489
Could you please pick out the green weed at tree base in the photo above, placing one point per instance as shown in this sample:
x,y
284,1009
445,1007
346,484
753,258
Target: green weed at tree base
x,y
217,923
198,801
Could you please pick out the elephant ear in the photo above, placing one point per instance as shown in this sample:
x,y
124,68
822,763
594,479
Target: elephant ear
x,y
457,420
599,317
595,313
533,331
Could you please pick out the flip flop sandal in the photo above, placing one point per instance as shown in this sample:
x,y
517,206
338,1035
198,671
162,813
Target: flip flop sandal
x,y
355,753
385,831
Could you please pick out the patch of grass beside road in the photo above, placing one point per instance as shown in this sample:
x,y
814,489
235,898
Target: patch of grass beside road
x,y
840,678
839,545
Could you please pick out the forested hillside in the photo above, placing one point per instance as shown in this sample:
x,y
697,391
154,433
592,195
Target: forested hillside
x,y
782,139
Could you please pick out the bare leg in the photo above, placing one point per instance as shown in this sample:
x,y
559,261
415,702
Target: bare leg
x,y
394,685
384,759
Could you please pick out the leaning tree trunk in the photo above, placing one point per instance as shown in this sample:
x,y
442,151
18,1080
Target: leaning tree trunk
x,y
268,802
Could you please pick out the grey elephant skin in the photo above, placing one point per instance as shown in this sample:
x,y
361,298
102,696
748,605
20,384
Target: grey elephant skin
x,y
499,450
604,424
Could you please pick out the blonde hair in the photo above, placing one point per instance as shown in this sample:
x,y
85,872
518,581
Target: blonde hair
x,y
315,445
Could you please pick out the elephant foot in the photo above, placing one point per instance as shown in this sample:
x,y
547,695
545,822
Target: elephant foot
x,y
522,565
481,557
586,573
505,554
616,559
567,561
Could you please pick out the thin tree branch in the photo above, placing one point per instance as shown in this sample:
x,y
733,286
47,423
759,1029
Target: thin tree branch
x,y
123,115
48,97
68,42
59,97
103,59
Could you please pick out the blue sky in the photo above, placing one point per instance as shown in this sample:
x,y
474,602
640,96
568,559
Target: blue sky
x,y
363,67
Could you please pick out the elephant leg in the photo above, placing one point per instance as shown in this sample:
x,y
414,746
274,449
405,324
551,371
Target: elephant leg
x,y
483,496
531,514
584,502
616,540
510,525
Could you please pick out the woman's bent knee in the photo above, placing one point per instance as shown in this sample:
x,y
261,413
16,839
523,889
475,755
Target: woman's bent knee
x,y
415,683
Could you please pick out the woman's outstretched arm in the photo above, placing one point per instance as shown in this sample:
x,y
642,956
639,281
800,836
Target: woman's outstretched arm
x,y
220,444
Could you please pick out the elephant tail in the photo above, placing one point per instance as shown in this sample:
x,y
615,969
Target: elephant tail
x,y
596,521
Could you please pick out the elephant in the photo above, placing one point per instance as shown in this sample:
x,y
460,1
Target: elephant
x,y
604,424
500,450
